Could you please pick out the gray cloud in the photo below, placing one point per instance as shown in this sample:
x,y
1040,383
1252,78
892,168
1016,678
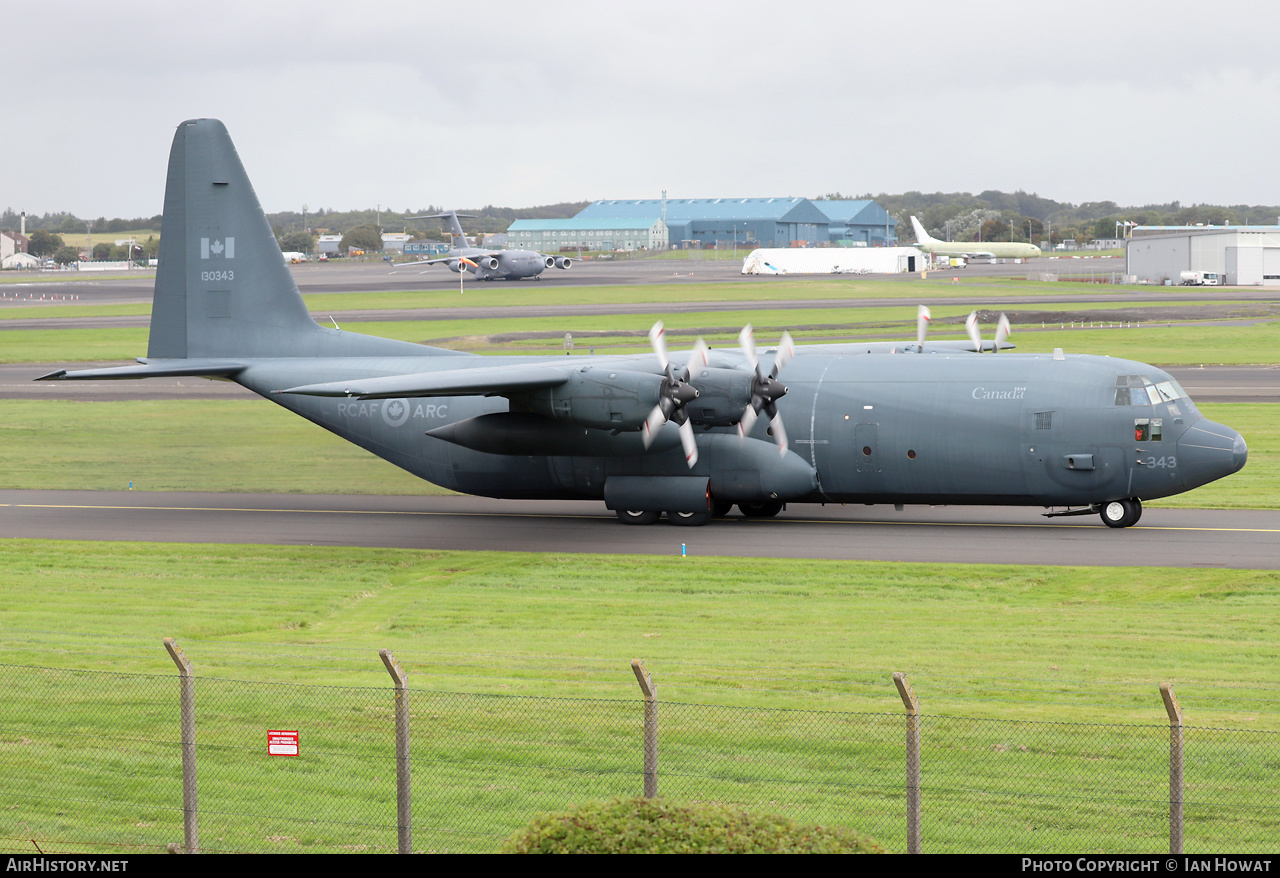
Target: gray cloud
x,y
510,103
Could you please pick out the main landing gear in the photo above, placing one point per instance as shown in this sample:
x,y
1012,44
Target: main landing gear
x,y
719,509
1121,513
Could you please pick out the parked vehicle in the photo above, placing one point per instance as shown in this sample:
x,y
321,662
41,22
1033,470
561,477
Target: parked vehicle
x,y
1202,279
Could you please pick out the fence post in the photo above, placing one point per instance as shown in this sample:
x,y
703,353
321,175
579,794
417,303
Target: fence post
x,y
404,801
913,761
187,698
1175,767
650,728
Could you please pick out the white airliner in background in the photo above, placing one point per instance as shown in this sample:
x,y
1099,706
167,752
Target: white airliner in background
x,y
973,250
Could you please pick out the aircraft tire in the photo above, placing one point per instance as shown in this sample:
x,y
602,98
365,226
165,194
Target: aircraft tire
x,y
767,509
720,508
1121,513
638,516
689,519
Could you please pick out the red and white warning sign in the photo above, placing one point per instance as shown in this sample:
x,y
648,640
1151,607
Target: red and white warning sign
x,y
282,743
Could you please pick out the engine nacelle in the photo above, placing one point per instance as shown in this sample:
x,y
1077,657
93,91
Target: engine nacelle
x,y
489,262
751,471
723,395
562,262
596,396
548,262
522,433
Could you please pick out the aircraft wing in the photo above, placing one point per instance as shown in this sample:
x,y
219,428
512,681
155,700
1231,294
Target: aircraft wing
x,y
493,381
435,261
979,254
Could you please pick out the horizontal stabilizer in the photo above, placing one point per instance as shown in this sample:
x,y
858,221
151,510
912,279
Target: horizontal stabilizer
x,y
157,369
451,382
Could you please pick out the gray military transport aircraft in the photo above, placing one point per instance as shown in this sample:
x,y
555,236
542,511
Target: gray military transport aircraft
x,y
488,264
923,423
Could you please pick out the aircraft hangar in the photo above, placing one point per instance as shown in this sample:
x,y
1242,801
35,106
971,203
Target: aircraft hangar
x,y
1242,255
557,235
655,223
702,222
860,223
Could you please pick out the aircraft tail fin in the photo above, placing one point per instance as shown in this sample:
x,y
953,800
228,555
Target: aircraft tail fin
x,y
456,236
222,288
455,228
922,237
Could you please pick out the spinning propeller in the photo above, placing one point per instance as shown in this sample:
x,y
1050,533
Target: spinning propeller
x,y
1002,332
765,389
922,326
970,326
676,393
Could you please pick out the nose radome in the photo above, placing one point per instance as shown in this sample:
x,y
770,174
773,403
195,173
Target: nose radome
x,y
1209,451
1240,453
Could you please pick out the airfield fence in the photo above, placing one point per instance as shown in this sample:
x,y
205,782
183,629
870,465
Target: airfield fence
x,y
92,762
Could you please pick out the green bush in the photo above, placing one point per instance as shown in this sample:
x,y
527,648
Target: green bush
x,y
635,826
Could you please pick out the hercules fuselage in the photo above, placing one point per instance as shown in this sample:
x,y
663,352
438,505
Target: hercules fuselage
x,y
1010,429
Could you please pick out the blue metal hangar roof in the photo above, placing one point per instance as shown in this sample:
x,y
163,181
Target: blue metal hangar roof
x,y
790,210
863,212
640,221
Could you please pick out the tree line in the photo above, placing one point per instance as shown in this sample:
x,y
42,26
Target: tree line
x,y
991,215
996,216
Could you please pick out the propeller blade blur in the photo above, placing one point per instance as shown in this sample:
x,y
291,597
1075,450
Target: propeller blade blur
x,y
1002,331
971,327
689,443
786,353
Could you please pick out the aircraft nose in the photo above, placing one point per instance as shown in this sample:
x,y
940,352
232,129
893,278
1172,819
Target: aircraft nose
x,y
1209,451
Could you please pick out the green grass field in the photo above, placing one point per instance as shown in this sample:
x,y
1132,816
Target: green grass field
x,y
1042,723
1242,342
1015,642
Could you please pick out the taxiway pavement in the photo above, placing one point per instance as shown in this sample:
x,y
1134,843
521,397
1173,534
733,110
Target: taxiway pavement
x,y
1236,539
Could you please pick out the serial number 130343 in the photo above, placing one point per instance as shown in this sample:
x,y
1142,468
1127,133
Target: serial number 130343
x,y
217,275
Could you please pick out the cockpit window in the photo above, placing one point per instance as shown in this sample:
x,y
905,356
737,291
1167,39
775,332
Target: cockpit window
x,y
1140,390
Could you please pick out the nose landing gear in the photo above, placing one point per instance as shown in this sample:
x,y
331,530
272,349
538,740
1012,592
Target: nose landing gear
x,y
1121,513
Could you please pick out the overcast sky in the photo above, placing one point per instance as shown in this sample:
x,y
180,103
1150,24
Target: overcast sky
x,y
349,105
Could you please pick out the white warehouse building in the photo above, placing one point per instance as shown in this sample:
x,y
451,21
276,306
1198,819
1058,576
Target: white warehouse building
x,y
1243,255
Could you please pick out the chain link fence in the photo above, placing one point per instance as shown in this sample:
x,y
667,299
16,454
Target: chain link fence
x,y
93,763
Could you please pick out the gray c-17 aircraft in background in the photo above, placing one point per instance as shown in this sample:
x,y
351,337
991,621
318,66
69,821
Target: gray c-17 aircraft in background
x,y
488,264
936,422
972,250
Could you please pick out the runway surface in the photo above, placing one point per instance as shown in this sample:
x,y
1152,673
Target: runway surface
x,y
1164,537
